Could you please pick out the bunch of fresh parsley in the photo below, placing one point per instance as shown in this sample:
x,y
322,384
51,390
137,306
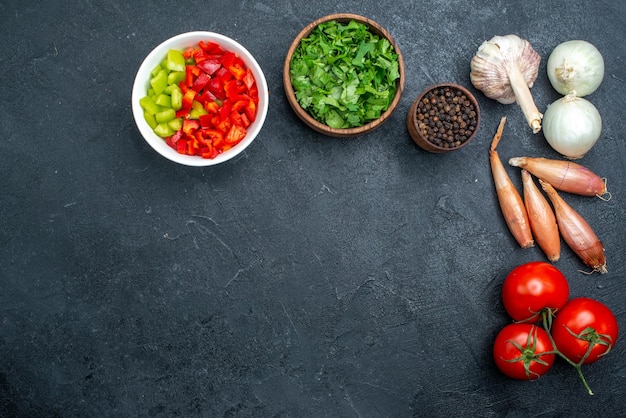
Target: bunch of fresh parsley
x,y
344,75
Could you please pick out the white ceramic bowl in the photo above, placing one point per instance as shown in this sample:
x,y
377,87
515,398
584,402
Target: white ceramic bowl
x,y
182,42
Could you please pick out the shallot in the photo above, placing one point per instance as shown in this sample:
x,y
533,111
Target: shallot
x,y
511,202
542,220
566,176
576,232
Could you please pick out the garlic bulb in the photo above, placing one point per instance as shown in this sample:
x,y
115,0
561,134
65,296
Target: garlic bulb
x,y
504,69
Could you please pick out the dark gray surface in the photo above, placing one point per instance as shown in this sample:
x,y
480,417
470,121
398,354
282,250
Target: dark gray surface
x,y
310,276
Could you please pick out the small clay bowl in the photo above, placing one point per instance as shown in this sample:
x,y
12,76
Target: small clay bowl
x,y
376,29
456,136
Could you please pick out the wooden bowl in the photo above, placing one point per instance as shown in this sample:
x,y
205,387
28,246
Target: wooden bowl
x,y
454,138
376,29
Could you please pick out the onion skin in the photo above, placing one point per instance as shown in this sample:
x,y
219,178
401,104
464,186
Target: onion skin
x,y
575,67
566,176
511,202
542,220
576,232
572,126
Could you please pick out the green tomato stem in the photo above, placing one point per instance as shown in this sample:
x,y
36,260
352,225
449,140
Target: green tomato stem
x,y
546,317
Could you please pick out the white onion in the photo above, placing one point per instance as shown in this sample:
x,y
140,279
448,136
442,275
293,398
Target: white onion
x,y
572,126
575,67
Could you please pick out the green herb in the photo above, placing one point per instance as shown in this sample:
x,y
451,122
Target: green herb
x,y
344,75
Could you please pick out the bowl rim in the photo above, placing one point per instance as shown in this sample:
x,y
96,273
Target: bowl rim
x,y
412,118
304,115
189,39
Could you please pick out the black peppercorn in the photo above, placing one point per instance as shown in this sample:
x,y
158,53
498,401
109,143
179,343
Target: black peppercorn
x,y
447,116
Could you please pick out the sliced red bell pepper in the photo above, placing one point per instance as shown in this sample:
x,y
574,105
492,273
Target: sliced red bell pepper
x,y
191,147
173,140
211,106
199,56
228,58
201,81
245,121
209,152
215,121
250,110
225,109
218,141
253,92
235,88
235,134
224,125
213,153
190,126
188,53
189,75
235,119
206,97
211,47
223,74
188,99
248,79
237,71
181,147
209,66
246,105
239,102
216,87
212,136
234,64
226,89
206,121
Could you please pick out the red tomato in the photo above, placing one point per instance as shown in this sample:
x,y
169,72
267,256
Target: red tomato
x,y
533,287
523,351
584,327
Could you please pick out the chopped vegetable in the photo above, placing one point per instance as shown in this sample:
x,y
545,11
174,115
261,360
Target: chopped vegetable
x,y
343,75
175,60
202,100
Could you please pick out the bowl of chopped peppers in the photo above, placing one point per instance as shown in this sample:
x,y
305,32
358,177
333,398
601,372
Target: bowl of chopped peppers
x,y
199,98
444,117
343,75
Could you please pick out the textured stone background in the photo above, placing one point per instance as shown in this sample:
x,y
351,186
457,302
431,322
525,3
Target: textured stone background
x,y
310,276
